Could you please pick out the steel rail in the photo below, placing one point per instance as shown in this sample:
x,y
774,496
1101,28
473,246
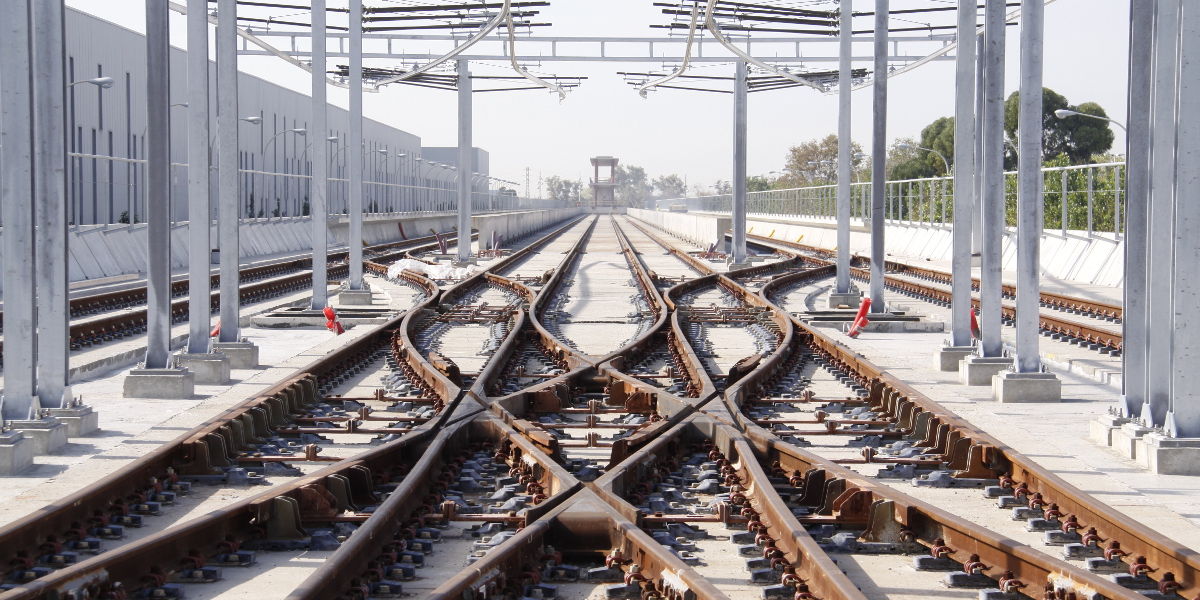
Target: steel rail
x,y
202,451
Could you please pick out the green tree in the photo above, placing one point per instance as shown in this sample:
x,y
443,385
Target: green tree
x,y
815,162
759,183
1079,138
562,190
938,135
670,186
633,186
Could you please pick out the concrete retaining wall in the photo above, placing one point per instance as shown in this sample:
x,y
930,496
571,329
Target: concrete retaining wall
x,y
513,224
701,229
106,251
1096,259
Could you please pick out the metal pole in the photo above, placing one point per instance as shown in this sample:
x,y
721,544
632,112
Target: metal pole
x,y
1160,250
1090,197
977,184
993,180
740,93
158,186
19,401
1029,192
879,150
319,207
355,152
1062,185
844,149
228,181
1137,183
1183,417
466,160
199,217
50,199
964,176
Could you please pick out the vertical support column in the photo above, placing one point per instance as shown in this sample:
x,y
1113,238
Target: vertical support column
x,y
993,179
319,207
977,199
989,359
228,178
964,177
1029,187
1137,197
1160,247
19,401
158,186
466,160
741,90
199,215
50,198
1183,416
879,149
842,285
355,152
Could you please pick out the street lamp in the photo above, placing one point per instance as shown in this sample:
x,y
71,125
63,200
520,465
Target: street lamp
x,y
1064,113
907,146
275,163
101,82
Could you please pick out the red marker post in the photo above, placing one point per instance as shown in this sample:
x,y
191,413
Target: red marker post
x,y
332,323
860,319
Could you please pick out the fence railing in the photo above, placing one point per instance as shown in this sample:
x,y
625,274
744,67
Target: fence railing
x,y
1090,196
109,189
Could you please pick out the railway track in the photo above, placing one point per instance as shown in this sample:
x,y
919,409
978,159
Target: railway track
x,y
708,445
1096,325
98,319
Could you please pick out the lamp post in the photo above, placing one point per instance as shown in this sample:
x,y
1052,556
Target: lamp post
x,y
907,146
275,163
1064,113
101,83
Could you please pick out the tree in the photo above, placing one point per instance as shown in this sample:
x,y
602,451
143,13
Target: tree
x,y
759,183
670,186
722,187
562,190
1079,138
815,162
939,136
633,187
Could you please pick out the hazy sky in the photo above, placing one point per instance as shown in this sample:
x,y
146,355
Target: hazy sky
x,y
690,133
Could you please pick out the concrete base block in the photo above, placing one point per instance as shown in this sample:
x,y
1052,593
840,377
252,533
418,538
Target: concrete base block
x,y
242,355
1172,456
850,300
355,297
46,435
209,369
170,384
978,370
741,265
948,357
1010,387
1101,428
80,420
16,452
1126,439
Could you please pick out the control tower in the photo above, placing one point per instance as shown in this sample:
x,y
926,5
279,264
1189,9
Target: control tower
x,y
604,183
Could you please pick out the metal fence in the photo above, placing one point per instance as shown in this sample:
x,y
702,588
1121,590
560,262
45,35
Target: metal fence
x,y
270,194
1091,197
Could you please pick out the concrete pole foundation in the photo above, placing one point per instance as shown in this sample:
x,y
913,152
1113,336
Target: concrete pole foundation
x,y
167,384
46,435
210,368
242,355
1012,387
16,452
